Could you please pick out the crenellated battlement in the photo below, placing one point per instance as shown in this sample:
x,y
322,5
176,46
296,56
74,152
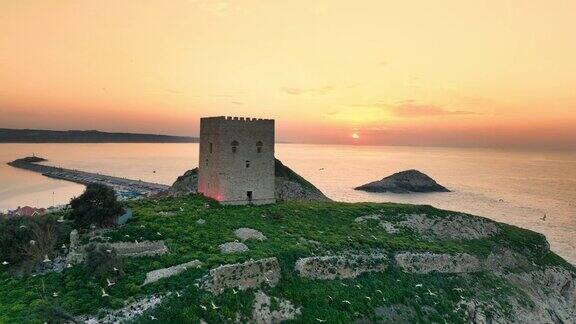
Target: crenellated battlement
x,y
242,119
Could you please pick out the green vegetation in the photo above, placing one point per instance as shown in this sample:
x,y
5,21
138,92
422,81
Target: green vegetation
x,y
97,205
102,261
25,241
291,229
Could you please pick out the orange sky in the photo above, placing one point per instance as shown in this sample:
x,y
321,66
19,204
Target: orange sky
x,y
493,73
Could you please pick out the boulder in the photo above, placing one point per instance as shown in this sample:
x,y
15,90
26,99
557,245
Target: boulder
x,y
245,233
233,247
404,182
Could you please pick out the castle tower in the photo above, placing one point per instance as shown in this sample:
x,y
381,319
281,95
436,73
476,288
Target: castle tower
x,y
236,164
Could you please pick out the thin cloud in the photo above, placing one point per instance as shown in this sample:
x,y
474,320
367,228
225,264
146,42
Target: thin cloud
x,y
308,91
411,109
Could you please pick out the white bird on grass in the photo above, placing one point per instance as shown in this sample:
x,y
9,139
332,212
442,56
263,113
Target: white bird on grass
x,y
153,318
320,320
418,286
115,269
431,293
68,265
329,297
214,306
110,283
234,291
458,289
367,297
203,307
158,233
380,291
178,294
55,294
347,302
5,263
32,242
46,259
104,294
109,251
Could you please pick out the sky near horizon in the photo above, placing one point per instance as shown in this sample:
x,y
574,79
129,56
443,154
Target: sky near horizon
x,y
449,73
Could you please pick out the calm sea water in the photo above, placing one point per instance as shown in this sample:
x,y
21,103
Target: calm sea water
x,y
516,187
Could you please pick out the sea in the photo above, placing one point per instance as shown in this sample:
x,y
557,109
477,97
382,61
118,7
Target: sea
x,y
517,187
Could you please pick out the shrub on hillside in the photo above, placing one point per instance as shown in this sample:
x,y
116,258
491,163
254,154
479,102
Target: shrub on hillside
x,y
25,241
97,205
102,261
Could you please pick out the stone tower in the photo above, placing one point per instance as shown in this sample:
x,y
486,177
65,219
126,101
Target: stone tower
x,y
236,164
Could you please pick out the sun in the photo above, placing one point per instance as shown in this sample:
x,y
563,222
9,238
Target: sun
x,y
355,136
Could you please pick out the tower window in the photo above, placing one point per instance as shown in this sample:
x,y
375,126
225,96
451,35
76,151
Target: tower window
x,y
234,145
259,146
206,162
211,147
247,163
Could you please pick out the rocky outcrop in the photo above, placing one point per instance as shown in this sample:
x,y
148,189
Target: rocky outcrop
x,y
156,275
553,291
443,263
550,291
340,266
186,183
125,314
404,182
242,276
450,227
262,312
245,234
233,247
289,186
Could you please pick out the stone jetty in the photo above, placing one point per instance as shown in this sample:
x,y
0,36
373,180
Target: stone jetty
x,y
125,188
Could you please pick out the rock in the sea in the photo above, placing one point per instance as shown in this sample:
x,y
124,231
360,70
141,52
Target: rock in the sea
x,y
289,186
404,182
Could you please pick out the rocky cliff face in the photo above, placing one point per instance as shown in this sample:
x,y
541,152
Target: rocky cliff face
x,y
289,185
404,182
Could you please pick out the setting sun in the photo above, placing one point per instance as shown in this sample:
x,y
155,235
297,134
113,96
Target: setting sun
x,y
355,136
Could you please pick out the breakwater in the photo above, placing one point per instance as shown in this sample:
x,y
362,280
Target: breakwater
x,y
125,188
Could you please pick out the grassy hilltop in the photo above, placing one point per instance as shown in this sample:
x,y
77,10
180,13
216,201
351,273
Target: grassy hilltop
x,y
293,231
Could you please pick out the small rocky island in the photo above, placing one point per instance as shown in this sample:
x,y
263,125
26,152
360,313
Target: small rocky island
x,y
404,182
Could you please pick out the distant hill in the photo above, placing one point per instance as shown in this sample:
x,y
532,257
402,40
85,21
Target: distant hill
x,y
85,136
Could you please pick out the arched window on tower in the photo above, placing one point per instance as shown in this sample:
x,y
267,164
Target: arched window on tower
x,y
259,146
234,145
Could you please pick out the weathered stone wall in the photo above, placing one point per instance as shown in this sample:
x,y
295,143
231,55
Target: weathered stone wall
x,y
156,275
145,248
224,174
443,263
340,266
243,276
